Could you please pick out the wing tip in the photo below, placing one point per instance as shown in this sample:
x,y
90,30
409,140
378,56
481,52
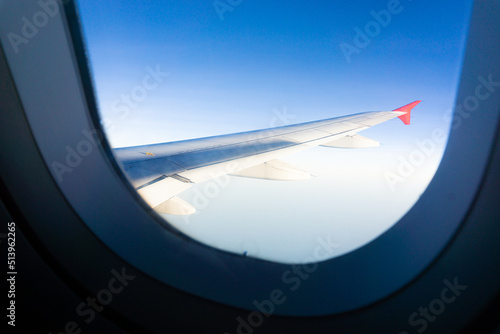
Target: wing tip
x,y
407,108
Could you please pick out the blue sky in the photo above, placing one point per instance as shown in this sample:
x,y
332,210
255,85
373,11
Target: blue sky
x,y
262,64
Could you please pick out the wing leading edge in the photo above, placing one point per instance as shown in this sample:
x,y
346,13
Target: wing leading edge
x,y
161,171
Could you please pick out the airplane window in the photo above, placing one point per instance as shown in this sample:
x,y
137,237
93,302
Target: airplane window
x,y
191,94
199,78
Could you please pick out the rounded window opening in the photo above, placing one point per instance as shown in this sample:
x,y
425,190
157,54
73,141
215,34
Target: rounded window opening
x,y
272,132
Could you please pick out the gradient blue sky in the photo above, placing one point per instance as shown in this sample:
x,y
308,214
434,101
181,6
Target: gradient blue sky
x,y
266,59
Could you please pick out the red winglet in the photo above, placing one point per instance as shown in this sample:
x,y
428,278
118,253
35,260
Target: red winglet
x,y
407,108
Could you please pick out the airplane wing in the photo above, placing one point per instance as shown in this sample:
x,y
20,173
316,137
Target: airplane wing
x,y
161,171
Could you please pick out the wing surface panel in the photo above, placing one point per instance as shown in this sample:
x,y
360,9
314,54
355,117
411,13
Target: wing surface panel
x,y
161,171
